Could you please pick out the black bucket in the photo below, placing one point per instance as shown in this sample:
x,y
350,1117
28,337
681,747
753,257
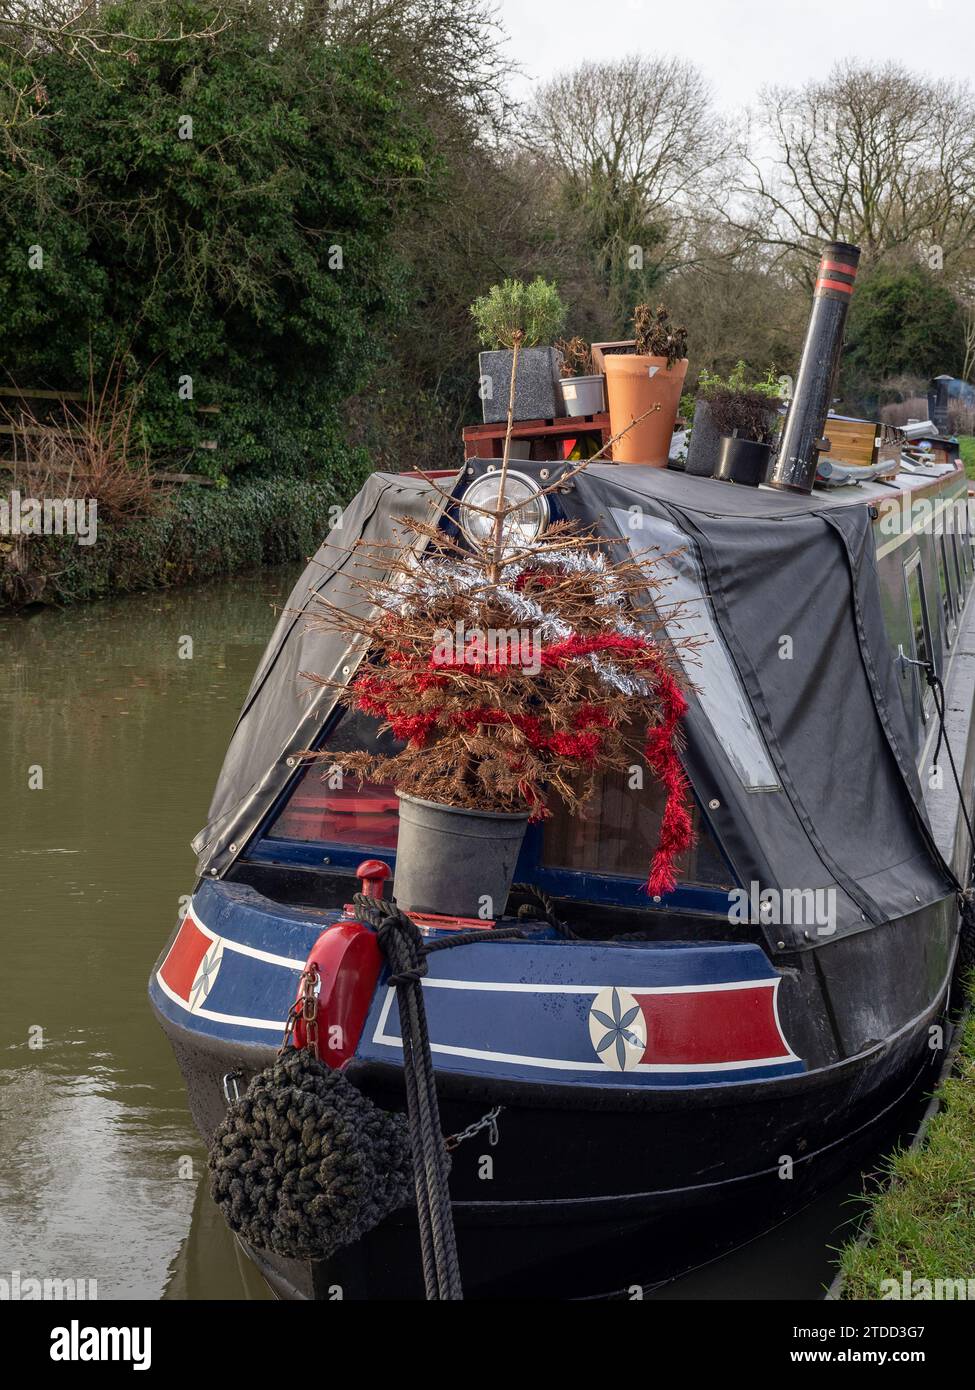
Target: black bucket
x,y
454,861
742,461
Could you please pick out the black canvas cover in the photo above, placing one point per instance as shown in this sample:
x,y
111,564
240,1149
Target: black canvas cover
x,y
284,712
842,810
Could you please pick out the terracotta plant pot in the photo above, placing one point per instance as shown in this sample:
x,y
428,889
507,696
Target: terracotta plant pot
x,y
633,385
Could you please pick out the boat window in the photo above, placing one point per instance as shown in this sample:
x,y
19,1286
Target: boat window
x,y
616,832
921,648
326,805
946,586
960,573
716,682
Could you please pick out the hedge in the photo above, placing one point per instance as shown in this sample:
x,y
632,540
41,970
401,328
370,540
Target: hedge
x,y
197,534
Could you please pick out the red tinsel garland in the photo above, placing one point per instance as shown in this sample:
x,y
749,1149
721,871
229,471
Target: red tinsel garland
x,y
377,694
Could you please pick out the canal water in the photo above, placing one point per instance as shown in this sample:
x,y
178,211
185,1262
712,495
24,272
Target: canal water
x,y
99,1162
112,739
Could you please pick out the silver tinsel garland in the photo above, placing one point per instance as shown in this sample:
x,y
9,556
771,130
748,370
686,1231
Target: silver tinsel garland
x,y
439,579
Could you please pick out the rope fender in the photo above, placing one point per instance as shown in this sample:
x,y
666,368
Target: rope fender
x,y
303,1163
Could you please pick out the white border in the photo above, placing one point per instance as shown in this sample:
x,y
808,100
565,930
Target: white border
x,y
243,1022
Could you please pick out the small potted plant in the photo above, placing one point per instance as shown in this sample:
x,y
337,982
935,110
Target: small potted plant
x,y
644,388
735,422
512,320
582,385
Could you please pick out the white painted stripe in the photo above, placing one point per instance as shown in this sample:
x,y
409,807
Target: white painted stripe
x,y
384,1014
560,1063
504,987
288,962
266,1024
778,1024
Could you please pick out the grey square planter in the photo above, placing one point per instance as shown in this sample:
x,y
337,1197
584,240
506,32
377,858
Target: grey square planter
x,y
702,452
538,392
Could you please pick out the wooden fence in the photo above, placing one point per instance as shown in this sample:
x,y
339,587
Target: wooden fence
x,y
58,400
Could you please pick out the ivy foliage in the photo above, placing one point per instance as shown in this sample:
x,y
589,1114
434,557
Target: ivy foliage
x,y
216,211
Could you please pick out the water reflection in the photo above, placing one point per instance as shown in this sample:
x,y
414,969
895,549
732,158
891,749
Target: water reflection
x,y
209,1263
99,1162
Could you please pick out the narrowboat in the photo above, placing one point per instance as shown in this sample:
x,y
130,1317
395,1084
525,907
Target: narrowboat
x,y
647,1081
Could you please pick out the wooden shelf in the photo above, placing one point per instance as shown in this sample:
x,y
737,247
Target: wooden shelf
x,y
487,441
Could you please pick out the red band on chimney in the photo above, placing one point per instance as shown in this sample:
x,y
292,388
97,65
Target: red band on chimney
x,y
824,264
833,285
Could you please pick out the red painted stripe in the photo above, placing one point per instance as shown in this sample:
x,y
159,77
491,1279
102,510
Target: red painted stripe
x,y
722,1025
180,966
837,265
833,285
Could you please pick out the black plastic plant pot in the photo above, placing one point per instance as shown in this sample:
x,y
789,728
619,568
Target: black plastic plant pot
x,y
454,861
742,461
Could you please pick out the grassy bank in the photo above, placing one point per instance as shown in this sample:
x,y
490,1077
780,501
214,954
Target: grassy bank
x,y
966,447
924,1221
195,535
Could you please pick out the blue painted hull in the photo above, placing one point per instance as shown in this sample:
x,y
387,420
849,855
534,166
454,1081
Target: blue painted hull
x,y
612,1166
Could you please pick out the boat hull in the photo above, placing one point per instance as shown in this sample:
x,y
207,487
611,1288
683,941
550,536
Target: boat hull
x,y
589,1194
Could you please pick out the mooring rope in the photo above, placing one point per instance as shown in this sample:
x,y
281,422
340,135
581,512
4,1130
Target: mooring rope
x,y
938,691
402,944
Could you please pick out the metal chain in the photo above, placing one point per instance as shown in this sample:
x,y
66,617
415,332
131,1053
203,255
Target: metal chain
x,y
311,984
305,1007
488,1122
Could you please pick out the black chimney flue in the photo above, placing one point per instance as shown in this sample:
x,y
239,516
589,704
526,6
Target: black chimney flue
x,y
798,454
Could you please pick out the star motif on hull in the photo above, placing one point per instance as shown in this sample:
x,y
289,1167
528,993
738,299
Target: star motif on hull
x,y
618,1029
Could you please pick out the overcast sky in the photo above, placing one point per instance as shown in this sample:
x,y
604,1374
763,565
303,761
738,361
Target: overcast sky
x,y
741,44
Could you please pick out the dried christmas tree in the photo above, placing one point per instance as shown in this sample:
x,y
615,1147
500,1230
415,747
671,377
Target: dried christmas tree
x,y
510,682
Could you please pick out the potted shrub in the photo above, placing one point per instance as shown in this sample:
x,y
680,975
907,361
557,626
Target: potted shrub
x,y
507,686
582,385
735,421
512,319
644,387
